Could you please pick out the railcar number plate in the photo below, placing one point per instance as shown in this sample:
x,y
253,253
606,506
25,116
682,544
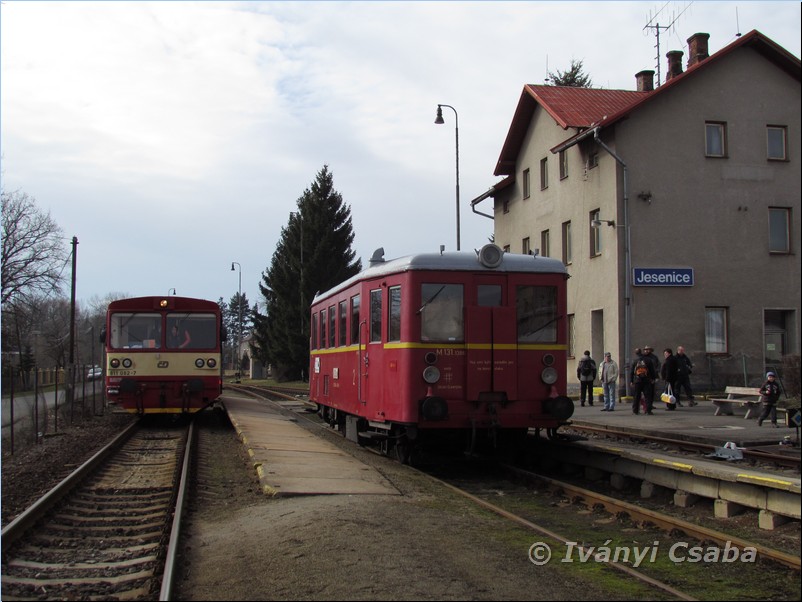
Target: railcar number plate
x,y
122,372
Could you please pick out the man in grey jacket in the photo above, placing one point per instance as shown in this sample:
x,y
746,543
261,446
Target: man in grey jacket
x,y
609,381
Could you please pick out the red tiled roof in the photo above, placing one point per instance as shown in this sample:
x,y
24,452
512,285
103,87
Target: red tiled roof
x,y
581,107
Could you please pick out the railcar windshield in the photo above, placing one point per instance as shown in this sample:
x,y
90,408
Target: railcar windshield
x,y
441,312
132,330
536,308
191,331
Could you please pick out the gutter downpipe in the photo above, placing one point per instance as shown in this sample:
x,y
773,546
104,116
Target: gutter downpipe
x,y
478,200
627,260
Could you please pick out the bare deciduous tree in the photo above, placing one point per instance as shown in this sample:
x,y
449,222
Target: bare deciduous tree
x,y
34,251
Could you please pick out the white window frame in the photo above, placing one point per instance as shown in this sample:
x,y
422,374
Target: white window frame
x,y
780,137
780,230
715,139
716,327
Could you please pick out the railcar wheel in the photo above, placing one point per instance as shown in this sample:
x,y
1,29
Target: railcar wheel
x,y
403,449
551,433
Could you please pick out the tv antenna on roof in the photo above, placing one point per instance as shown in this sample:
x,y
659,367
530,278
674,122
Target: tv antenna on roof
x,y
653,24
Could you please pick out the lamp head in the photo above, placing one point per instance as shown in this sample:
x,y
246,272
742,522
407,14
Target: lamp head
x,y
439,119
232,266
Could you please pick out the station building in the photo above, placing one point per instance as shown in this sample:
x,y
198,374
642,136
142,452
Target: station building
x,y
676,208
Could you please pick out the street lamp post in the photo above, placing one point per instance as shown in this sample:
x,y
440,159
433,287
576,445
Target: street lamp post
x,y
239,325
439,120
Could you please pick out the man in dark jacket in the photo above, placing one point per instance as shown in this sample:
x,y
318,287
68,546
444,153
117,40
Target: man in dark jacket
x,y
669,373
586,372
684,370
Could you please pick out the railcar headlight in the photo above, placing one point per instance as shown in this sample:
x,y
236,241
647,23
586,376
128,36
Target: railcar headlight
x,y
199,362
115,363
211,362
549,375
548,359
127,363
430,358
431,375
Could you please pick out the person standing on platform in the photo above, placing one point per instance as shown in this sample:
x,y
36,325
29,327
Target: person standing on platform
x,y
684,371
770,392
609,381
649,356
669,373
642,377
586,373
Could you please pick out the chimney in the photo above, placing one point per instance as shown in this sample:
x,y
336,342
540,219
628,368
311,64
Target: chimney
x,y
697,48
674,63
645,80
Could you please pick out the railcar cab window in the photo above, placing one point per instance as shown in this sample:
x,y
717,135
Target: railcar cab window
x,y
375,316
314,331
488,295
394,323
343,317
355,320
441,313
332,326
135,331
191,331
536,309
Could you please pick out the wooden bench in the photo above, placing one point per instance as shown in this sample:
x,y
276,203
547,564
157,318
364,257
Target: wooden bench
x,y
743,396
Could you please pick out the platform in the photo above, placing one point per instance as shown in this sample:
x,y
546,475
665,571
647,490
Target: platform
x,y
697,424
292,461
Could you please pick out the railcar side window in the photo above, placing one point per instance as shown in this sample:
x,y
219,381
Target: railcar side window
x,y
536,308
441,312
332,326
375,316
488,295
343,318
135,330
323,329
355,320
394,324
314,331
191,331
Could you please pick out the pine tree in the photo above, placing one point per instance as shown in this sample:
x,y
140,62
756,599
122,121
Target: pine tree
x,y
313,254
573,77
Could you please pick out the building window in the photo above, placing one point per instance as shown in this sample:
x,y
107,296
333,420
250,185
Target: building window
x,y
525,247
779,230
545,246
595,234
526,183
394,318
375,316
567,253
716,329
571,336
715,139
544,173
776,137
563,164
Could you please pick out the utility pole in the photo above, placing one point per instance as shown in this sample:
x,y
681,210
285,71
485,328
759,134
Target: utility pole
x,y
71,365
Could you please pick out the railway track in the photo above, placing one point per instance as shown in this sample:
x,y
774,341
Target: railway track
x,y
108,531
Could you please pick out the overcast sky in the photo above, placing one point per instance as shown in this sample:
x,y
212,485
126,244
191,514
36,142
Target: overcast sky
x,y
174,138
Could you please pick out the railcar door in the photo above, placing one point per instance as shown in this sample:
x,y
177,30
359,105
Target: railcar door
x,y
491,341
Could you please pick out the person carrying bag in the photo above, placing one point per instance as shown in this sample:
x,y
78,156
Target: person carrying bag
x,y
669,399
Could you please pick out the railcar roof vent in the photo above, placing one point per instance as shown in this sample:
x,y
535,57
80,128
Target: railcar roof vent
x,y
378,256
490,255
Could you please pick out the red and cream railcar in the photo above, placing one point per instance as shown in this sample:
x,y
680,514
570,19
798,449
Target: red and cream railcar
x,y
456,340
163,354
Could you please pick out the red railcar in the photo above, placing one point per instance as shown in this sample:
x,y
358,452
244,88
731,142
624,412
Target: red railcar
x,y
163,354
450,341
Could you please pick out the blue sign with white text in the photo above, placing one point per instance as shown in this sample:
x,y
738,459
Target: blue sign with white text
x,y
663,277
